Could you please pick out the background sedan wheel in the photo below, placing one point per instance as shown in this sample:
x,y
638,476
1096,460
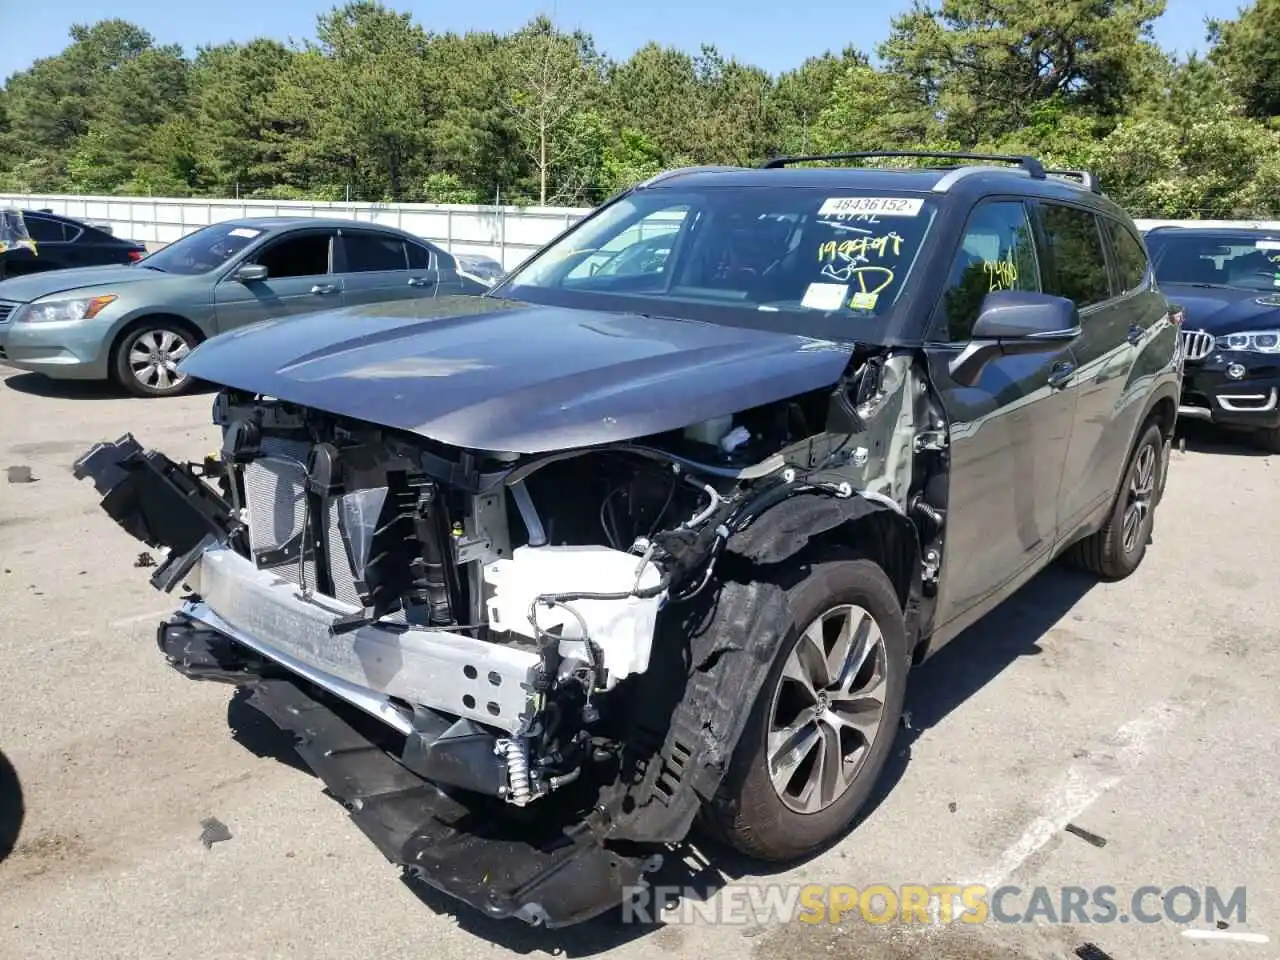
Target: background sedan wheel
x,y
147,360
826,717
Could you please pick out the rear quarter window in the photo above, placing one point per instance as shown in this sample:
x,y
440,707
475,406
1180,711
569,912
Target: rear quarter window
x,y
1130,257
419,256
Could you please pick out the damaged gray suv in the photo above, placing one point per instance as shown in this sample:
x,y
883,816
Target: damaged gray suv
x,y
651,534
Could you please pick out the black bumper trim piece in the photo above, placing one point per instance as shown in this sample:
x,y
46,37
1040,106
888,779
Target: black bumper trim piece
x,y
459,848
159,502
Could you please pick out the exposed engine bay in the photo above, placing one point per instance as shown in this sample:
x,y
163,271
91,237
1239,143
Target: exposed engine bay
x,y
521,623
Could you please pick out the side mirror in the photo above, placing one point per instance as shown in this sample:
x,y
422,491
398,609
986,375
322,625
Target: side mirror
x,y
1015,322
251,273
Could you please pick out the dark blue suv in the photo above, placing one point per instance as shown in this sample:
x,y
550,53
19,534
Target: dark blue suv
x,y
653,532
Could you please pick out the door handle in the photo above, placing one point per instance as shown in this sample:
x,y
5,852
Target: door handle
x,y
419,281
1061,373
1135,334
324,288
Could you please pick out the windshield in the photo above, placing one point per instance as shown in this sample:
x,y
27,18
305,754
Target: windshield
x,y
206,249
1217,259
812,261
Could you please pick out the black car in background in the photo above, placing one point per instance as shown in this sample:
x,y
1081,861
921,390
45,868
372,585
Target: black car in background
x,y
1227,281
60,242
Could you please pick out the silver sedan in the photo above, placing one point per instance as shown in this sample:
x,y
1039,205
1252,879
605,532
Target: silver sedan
x,y
135,324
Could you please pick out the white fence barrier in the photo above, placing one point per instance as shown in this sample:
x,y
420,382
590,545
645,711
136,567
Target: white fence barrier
x,y
508,234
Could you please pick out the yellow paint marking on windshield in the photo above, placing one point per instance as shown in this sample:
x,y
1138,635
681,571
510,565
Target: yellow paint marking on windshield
x,y
861,248
865,286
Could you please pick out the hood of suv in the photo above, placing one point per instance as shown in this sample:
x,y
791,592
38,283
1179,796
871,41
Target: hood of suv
x,y
496,375
1223,310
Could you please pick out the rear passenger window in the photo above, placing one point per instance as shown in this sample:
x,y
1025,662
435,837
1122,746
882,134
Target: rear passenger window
x,y
1075,262
1131,259
43,230
369,252
996,253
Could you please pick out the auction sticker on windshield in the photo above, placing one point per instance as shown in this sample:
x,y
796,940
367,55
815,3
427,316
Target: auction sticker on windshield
x,y
871,206
825,296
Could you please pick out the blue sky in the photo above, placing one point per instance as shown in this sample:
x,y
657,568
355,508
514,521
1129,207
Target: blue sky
x,y
763,32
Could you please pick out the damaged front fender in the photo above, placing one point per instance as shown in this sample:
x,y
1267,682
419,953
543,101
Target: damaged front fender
x,y
733,637
868,524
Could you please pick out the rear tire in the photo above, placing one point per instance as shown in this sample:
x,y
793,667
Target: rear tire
x,y
812,752
146,359
1117,549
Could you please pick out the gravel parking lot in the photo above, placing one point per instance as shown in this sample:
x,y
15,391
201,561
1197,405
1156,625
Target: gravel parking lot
x,y
1142,712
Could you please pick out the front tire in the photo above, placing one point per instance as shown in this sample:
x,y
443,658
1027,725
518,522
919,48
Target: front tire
x,y
146,360
825,720
1117,549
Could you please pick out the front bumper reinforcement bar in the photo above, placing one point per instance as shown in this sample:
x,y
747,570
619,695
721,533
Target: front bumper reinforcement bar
x,y
464,850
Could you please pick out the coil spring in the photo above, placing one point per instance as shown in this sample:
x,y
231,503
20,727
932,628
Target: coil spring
x,y
517,757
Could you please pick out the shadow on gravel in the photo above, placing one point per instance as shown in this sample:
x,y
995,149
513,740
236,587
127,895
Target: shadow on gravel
x,y
12,809
1201,437
257,734
38,385
1007,634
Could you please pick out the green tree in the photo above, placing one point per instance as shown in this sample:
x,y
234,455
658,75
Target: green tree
x,y
146,91
232,86
734,120
472,139
1247,51
377,107
351,108
554,79
656,91
52,103
802,95
984,64
870,109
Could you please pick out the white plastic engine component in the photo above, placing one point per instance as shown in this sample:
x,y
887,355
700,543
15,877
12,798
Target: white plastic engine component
x,y
621,629
735,438
709,432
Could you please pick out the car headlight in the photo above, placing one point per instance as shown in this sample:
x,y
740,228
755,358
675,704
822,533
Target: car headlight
x,y
77,308
1258,341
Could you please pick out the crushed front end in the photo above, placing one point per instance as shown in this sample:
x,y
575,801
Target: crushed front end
x,y
500,663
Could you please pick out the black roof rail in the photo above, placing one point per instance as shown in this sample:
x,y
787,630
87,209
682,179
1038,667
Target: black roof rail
x,y
1030,164
1087,179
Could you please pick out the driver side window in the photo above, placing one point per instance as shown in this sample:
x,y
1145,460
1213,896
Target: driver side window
x,y
997,252
305,255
